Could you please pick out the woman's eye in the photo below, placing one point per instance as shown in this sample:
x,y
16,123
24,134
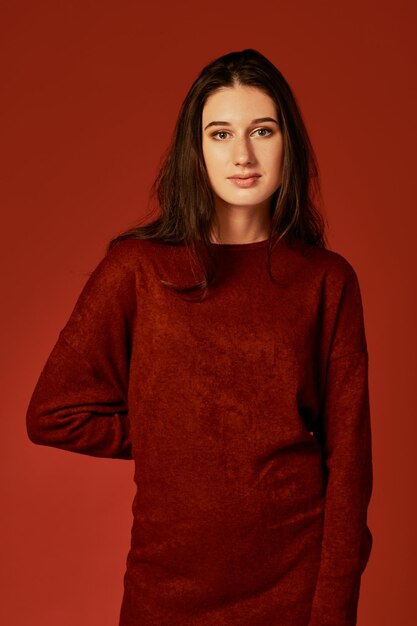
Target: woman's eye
x,y
220,132
268,130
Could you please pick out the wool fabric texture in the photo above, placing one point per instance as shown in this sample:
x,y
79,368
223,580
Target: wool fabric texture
x,y
247,417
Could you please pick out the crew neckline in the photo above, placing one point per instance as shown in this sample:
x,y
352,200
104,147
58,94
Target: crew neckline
x,y
238,246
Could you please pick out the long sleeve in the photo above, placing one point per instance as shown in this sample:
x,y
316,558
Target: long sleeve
x,y
80,402
346,437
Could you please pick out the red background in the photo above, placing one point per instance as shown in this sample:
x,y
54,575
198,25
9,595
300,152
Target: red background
x,y
91,92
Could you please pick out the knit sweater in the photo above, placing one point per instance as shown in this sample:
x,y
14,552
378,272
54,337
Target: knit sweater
x,y
247,417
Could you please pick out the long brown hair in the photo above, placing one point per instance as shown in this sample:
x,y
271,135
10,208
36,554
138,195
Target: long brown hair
x,y
182,192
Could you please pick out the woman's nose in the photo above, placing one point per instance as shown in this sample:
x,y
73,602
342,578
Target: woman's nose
x,y
242,151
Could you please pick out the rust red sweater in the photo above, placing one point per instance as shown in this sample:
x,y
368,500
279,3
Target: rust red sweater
x,y
247,417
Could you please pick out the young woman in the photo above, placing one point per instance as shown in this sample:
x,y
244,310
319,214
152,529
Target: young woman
x,y
222,347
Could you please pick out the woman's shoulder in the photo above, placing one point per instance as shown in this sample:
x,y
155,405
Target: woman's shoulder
x,y
116,267
131,252
330,264
127,250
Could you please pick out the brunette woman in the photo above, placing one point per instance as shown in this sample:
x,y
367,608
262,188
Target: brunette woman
x,y
221,346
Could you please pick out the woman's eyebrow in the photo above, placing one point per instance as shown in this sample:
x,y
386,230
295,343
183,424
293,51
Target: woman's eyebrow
x,y
258,120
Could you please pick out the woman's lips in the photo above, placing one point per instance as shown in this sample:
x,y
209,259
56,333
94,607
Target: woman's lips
x,y
245,182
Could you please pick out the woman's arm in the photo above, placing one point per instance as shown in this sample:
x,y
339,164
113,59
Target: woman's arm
x,y
346,436
80,400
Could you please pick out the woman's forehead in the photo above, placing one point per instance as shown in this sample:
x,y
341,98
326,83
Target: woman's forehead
x,y
235,104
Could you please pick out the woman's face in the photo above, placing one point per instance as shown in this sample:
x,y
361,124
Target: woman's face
x,y
237,142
